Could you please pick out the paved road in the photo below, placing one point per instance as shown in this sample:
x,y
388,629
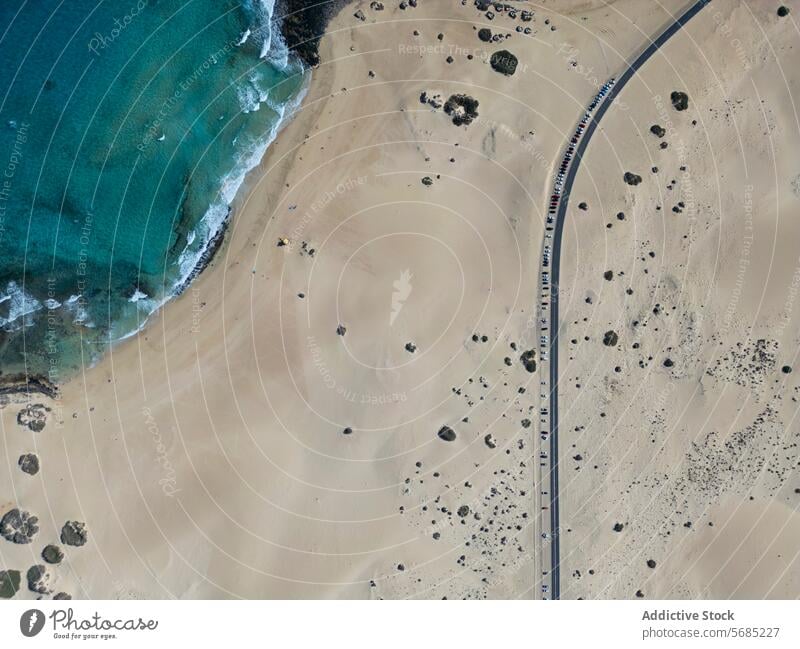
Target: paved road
x,y
555,550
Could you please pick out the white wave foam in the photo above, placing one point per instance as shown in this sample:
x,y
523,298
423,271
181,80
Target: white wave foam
x,y
244,37
16,304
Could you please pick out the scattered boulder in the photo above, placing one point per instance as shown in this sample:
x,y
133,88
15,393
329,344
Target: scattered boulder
x,y
74,533
341,330
668,362
610,338
618,527
639,594
9,583
608,275
463,511
447,434
786,369
38,579
52,554
485,34
583,206
427,181
29,463
503,62
462,109
489,441
360,15
658,131
528,360
783,11
651,563
411,348
680,100
632,178
18,526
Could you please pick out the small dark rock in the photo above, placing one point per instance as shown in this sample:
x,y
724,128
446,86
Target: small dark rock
x,y
9,583
618,527
608,275
341,330
680,100
485,34
783,11
503,62
651,563
427,181
528,360
668,362
463,511
632,178
610,338
29,463
52,554
37,579
583,206
447,434
658,131
786,369
62,595
74,533
411,348
347,431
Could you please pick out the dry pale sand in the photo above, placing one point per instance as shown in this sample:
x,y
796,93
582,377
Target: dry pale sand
x,y
208,457
687,429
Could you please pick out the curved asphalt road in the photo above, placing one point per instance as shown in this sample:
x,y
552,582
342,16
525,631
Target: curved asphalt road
x,y
555,551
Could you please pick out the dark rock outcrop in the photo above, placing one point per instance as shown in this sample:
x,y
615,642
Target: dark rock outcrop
x,y
303,22
19,526
462,109
33,416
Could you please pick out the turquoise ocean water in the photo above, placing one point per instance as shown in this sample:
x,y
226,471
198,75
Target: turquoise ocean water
x,y
126,127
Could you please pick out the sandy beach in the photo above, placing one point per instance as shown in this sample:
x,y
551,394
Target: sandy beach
x,y
339,405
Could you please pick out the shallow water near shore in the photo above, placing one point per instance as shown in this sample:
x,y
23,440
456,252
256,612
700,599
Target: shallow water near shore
x,y
125,131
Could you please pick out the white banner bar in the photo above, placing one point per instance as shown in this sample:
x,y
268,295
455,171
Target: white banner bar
x,y
400,624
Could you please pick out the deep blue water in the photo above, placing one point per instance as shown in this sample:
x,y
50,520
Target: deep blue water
x,y
125,129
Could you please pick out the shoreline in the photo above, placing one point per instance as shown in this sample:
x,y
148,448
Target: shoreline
x,y
302,25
